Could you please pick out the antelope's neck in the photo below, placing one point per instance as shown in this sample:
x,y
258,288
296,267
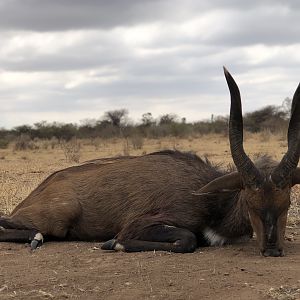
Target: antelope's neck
x,y
235,223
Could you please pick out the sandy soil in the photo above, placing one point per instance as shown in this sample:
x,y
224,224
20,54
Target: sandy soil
x,y
81,270
77,270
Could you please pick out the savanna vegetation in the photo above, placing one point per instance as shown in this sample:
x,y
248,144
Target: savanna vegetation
x,y
116,124
31,153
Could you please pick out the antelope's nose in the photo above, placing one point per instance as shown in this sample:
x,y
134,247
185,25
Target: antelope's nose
x,y
275,252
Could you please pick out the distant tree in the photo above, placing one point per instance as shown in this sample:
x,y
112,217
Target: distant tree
x,y
41,124
116,117
44,130
87,128
66,131
88,122
105,129
23,129
262,118
167,119
147,119
4,133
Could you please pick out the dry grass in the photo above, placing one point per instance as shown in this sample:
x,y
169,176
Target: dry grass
x,y
72,150
19,176
284,293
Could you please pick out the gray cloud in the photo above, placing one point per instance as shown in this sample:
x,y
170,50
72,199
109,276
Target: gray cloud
x,y
76,59
57,15
43,15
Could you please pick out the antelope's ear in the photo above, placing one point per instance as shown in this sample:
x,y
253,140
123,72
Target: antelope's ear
x,y
296,176
226,183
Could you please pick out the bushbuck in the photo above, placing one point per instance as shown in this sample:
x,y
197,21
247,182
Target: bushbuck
x,y
167,200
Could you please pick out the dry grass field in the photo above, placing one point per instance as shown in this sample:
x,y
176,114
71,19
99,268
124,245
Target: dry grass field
x,y
81,270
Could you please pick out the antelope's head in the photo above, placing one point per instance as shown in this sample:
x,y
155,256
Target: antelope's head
x,y
266,192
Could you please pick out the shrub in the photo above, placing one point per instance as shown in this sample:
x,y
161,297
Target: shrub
x,y
137,141
4,143
24,142
267,117
126,148
71,150
54,142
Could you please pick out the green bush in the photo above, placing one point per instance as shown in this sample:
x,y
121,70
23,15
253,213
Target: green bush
x,y
4,143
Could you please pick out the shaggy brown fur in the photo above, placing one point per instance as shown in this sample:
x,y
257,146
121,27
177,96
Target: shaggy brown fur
x,y
104,198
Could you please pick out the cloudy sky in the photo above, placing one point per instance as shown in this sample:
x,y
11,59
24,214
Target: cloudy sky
x,y
69,60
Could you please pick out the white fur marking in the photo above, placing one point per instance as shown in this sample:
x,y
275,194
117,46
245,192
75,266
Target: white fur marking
x,y
38,237
213,238
119,247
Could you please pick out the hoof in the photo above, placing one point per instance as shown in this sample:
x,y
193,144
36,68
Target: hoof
x,y
37,241
109,245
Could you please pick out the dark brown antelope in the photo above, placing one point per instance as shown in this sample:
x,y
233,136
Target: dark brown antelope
x,y
166,200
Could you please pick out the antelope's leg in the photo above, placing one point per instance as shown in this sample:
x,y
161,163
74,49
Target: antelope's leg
x,y
7,223
155,237
21,236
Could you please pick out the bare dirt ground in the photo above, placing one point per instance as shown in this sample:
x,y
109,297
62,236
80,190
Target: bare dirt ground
x,y
77,270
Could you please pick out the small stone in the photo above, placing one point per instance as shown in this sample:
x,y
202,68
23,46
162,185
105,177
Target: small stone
x,y
4,287
46,294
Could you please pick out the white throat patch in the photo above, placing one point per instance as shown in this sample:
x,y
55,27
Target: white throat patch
x,y
213,238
